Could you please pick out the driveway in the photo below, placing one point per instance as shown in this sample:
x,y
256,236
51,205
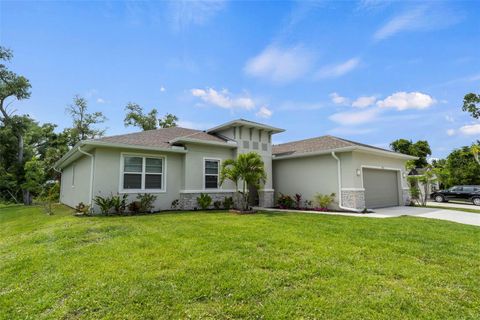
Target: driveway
x,y
430,213
472,219
451,204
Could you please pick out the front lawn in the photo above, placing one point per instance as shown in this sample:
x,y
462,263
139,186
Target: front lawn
x,y
472,210
221,265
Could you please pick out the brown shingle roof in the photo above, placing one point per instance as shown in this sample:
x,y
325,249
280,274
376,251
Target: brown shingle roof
x,y
160,138
318,144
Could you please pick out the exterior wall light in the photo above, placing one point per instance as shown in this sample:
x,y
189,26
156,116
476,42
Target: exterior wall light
x,y
359,172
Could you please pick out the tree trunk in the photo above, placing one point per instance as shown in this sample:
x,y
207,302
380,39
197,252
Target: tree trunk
x,y
27,200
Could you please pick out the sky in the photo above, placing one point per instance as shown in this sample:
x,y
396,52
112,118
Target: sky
x,y
369,71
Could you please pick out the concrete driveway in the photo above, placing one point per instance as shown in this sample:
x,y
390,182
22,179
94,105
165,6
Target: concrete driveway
x,y
430,213
451,204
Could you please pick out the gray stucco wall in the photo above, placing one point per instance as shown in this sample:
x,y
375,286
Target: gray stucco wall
x,y
306,175
107,175
73,193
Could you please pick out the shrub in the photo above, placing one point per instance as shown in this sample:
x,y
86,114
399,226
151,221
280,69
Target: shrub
x,y
308,203
324,200
217,205
105,203
175,204
82,208
119,203
204,201
134,207
228,203
298,200
146,202
285,201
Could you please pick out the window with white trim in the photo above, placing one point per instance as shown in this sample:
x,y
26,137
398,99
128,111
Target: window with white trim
x,y
211,173
142,173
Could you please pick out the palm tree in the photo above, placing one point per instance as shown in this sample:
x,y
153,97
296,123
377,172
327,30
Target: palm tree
x,y
248,170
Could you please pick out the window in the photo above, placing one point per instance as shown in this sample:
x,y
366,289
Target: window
x,y
211,173
255,145
264,147
142,173
246,144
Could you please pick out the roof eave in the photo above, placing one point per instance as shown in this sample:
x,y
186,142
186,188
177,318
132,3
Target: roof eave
x,y
386,153
311,154
235,123
229,144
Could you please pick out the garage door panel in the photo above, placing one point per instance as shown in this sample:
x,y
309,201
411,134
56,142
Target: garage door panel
x,y
381,188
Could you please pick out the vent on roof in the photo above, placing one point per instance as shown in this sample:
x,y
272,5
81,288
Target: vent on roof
x,y
246,144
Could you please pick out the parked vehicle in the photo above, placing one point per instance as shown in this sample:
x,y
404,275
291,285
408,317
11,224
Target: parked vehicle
x,y
458,193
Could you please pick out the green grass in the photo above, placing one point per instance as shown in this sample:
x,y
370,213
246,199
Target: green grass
x,y
221,265
455,208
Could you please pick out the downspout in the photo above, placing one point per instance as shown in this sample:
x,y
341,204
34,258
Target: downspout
x,y
91,173
339,173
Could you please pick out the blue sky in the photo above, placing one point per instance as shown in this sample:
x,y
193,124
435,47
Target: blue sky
x,y
370,71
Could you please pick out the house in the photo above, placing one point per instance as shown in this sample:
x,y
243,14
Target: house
x,y
180,164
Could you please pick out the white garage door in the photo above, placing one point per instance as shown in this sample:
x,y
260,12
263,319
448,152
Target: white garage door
x,y
381,188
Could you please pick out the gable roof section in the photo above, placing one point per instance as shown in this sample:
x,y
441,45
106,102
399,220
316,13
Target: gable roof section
x,y
162,138
327,144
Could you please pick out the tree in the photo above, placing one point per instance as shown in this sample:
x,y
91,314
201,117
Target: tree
x,y
419,186
476,151
12,87
248,170
168,121
135,117
84,122
471,104
34,178
462,168
420,149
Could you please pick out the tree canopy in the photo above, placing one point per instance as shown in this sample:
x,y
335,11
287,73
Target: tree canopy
x,y
147,121
471,104
84,122
420,149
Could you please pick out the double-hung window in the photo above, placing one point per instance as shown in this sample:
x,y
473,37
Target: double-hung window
x,y
143,173
211,173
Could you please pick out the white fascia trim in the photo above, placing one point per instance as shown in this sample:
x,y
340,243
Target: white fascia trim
x,y
134,147
246,124
209,191
311,154
228,144
267,190
353,189
386,153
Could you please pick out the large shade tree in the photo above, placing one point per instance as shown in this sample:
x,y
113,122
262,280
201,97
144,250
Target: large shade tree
x,y
84,122
245,171
420,149
471,104
136,117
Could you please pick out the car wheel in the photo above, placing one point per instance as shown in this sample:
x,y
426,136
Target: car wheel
x,y
439,199
476,201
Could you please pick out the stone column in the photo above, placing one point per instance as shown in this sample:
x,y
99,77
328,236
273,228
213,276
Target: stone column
x,y
265,198
353,199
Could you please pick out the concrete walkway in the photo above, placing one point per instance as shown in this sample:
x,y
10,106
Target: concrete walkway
x,y
429,213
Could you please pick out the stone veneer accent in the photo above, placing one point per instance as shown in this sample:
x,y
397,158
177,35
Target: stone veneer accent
x,y
266,198
353,199
406,196
188,201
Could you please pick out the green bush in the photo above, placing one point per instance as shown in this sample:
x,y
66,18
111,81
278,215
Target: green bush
x,y
285,201
82,208
105,203
134,207
146,202
324,200
228,203
204,201
119,203
175,204
217,205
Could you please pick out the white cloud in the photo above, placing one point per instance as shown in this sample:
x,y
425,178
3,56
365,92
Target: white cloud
x,y
449,118
194,125
353,118
363,102
338,70
338,99
264,112
101,100
451,132
223,99
407,100
162,89
471,129
185,13
422,18
280,64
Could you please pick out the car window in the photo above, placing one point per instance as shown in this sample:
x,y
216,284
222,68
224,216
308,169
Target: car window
x,y
457,188
468,189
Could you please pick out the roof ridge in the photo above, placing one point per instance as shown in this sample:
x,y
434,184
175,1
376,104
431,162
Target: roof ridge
x,y
144,131
301,140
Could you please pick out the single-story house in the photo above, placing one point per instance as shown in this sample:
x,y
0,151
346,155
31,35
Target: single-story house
x,y
180,164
